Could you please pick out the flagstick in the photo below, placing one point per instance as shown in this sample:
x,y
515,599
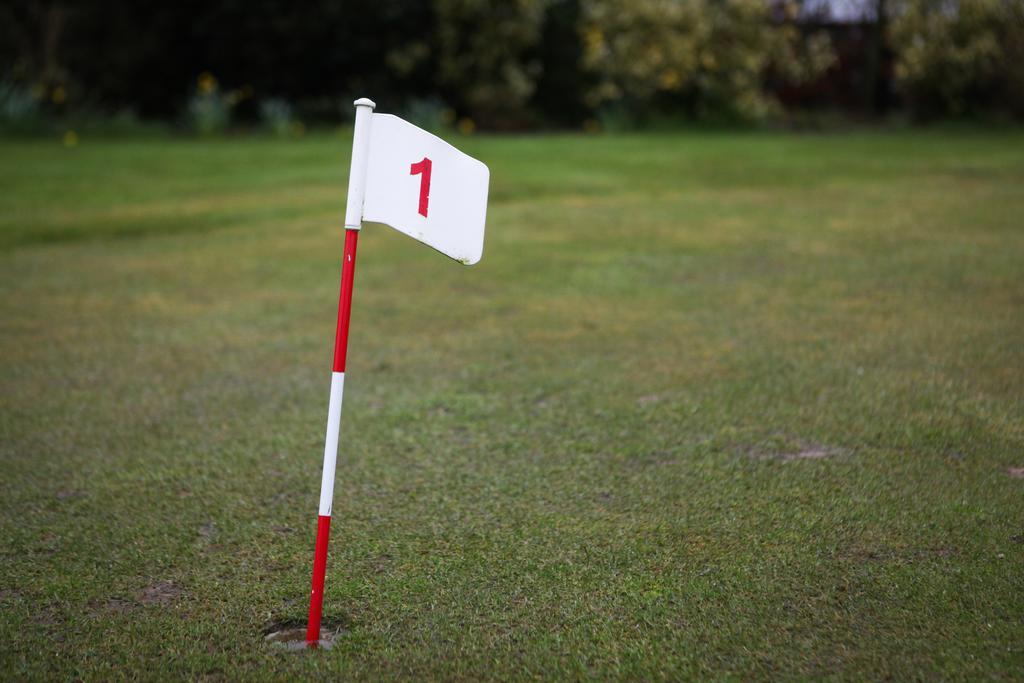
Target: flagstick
x,y
353,221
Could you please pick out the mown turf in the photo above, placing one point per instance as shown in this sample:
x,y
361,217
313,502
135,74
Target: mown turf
x,y
744,406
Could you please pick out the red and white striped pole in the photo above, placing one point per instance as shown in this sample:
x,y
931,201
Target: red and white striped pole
x,y
353,221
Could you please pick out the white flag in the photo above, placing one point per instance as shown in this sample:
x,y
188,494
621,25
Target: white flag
x,y
420,185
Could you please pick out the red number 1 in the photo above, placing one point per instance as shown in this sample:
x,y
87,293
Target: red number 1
x,y
422,167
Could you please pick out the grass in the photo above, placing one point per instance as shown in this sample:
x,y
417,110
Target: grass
x,y
740,406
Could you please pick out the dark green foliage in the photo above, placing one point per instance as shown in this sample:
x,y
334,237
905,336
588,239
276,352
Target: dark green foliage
x,y
147,56
961,58
493,64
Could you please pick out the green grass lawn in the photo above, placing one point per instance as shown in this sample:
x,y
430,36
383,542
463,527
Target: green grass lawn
x,y
744,406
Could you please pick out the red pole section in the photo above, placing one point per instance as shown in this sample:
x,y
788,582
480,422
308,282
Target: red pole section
x,y
348,273
316,595
323,526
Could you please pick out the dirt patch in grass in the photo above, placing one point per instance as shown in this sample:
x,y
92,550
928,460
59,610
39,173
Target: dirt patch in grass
x,y
290,634
118,605
654,458
941,552
47,545
206,535
1015,472
381,564
160,593
814,453
794,451
902,556
50,619
48,616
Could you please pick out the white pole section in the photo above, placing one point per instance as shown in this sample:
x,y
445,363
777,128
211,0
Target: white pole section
x,y
357,170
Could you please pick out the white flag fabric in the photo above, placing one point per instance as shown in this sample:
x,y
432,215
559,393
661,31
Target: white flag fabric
x,y
420,185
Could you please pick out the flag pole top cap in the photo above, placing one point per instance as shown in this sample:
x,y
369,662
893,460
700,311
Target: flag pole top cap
x,y
365,102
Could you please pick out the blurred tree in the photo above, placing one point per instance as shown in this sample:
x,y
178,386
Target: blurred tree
x,y
147,56
487,56
875,69
877,91
709,57
510,63
31,37
560,95
960,57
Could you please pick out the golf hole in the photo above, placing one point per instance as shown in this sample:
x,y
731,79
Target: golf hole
x,y
291,635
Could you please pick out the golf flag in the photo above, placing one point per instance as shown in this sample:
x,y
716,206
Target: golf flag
x,y
421,186
417,183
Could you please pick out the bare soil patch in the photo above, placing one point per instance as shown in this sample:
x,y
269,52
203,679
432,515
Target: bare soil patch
x,y
160,593
290,634
795,451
